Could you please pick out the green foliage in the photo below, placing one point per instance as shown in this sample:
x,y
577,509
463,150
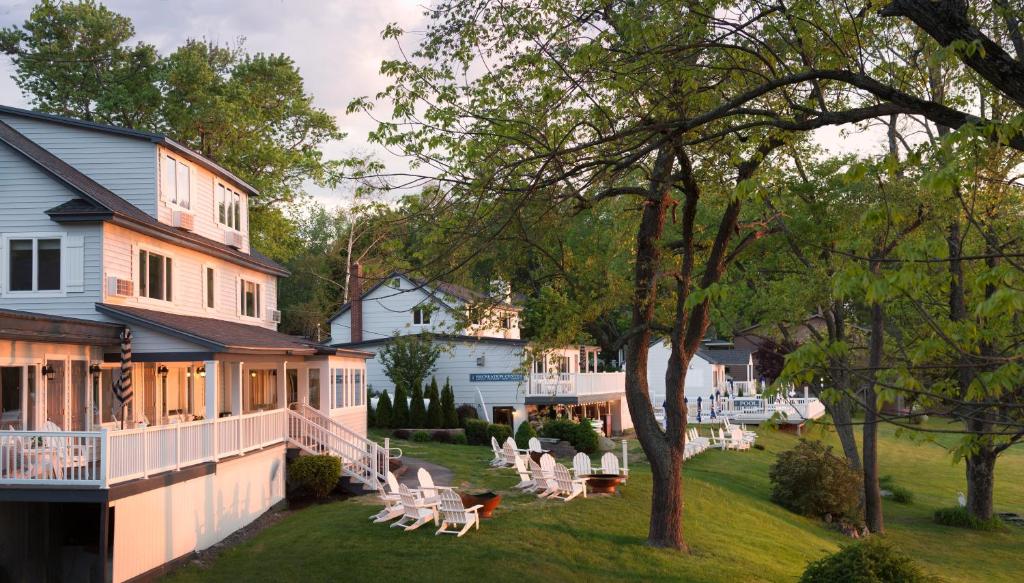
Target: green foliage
x,y
559,429
476,432
810,480
449,413
900,495
524,433
959,517
498,431
408,359
316,474
400,408
460,439
421,436
466,412
866,561
371,415
435,418
383,411
586,438
417,412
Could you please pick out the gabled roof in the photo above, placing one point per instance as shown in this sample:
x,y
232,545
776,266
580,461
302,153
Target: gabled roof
x,y
726,356
100,204
138,134
220,335
428,287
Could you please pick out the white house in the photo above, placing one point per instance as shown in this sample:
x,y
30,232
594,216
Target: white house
x,y
488,364
710,370
106,229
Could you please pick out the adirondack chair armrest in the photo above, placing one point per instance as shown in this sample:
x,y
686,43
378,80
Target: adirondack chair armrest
x,y
474,508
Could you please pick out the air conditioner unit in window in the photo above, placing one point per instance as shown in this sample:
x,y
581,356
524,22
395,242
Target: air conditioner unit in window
x,y
116,286
481,361
183,220
233,239
275,316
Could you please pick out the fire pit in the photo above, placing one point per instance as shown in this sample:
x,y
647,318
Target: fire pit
x,y
603,483
489,501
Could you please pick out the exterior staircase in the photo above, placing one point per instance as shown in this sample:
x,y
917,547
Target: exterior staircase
x,y
364,461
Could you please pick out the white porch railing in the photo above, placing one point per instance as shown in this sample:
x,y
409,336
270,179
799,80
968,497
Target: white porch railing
x,y
72,458
758,408
576,384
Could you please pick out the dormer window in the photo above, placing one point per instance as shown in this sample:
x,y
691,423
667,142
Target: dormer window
x,y
394,283
506,322
229,207
421,316
176,182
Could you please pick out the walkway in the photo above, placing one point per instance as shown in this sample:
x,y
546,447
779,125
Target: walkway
x,y
442,475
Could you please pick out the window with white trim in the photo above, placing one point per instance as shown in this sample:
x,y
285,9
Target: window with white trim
x,y
176,182
155,276
210,287
249,300
349,387
33,264
229,207
421,315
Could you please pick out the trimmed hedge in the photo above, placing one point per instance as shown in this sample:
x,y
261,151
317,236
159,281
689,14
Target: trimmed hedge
x,y
870,561
499,432
421,436
476,432
316,474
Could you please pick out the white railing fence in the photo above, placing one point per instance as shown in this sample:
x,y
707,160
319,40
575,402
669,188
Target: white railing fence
x,y
51,457
569,384
363,459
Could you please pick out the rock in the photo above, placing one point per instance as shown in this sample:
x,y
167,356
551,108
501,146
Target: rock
x,y
828,518
605,444
563,449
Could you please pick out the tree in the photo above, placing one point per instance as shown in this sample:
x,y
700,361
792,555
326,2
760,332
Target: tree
x,y
417,412
448,410
76,59
435,417
383,411
409,358
400,409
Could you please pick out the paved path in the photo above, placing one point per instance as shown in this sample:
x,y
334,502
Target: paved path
x,y
442,475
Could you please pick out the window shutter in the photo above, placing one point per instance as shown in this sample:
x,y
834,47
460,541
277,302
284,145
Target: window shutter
x,y
74,264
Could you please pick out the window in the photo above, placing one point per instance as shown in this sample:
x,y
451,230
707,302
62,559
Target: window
x,y
229,208
155,276
34,265
10,397
211,287
249,301
176,182
506,323
394,283
314,388
421,316
349,390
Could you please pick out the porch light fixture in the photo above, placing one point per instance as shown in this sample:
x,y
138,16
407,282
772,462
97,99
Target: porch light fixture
x,y
252,373
94,368
201,371
48,372
162,370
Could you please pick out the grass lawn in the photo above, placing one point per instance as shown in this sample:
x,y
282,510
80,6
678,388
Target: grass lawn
x,y
735,533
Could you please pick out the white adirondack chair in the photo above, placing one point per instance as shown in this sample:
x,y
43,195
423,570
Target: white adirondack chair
x,y
509,455
719,441
427,489
454,513
415,510
544,482
512,443
526,482
499,457
535,445
610,465
567,487
739,443
390,495
581,465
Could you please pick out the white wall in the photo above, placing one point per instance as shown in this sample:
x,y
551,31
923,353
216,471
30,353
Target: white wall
x,y
698,376
161,525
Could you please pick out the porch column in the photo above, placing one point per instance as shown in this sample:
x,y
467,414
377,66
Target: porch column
x,y
282,384
304,385
237,380
326,388
212,392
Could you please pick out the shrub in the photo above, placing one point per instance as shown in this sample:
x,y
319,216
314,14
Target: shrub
x,y
434,418
400,408
559,429
961,518
417,411
459,439
383,411
441,436
449,416
476,432
524,433
499,432
586,439
465,413
371,415
421,436
898,494
316,474
810,480
869,560
402,433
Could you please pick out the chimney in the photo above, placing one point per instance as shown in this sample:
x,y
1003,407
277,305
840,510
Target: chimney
x,y
355,299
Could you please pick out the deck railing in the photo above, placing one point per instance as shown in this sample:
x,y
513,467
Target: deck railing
x,y
103,458
576,384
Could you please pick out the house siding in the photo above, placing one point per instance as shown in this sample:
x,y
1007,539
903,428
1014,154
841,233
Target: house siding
x,y
26,192
698,377
124,165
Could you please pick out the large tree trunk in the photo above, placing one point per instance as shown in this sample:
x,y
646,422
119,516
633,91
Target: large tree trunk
x,y
667,501
872,490
981,474
841,410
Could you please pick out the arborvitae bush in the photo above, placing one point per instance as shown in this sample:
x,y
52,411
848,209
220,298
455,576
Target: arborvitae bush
x,y
371,415
400,408
383,411
450,417
435,420
417,412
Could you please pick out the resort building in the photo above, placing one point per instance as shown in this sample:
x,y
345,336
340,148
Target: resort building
x,y
482,355
122,249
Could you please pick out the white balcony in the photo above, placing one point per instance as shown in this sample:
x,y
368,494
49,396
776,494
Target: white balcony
x,y
576,384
